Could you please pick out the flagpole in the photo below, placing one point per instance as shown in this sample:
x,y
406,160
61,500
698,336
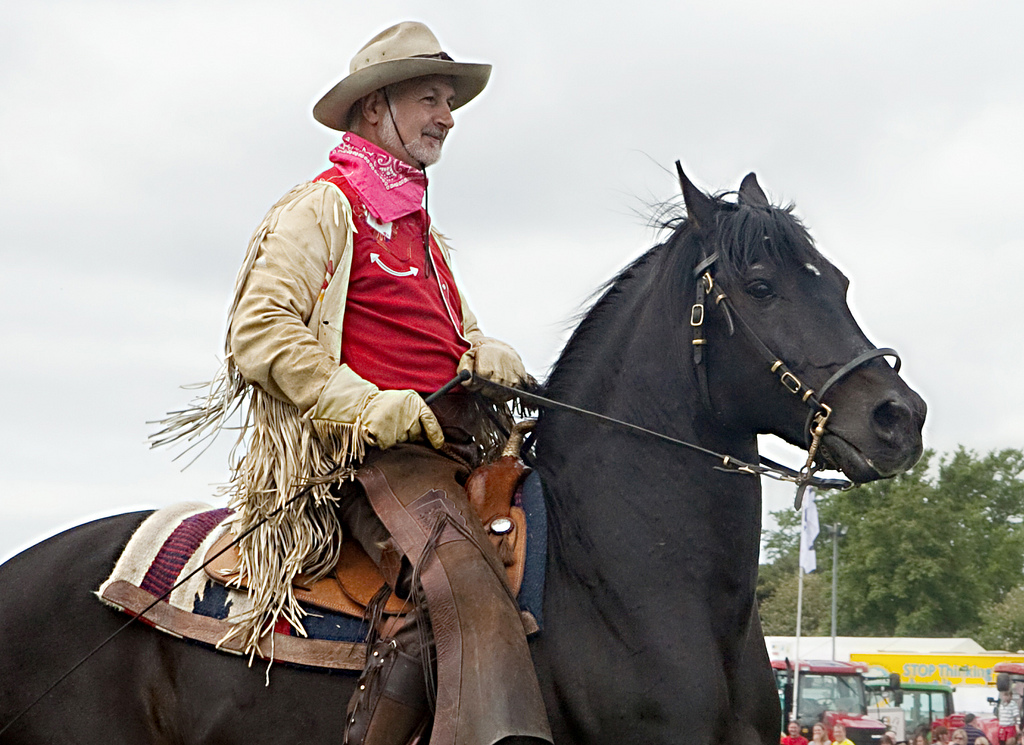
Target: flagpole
x,y
796,646
808,562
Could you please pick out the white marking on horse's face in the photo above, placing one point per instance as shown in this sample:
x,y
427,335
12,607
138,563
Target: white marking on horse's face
x,y
812,269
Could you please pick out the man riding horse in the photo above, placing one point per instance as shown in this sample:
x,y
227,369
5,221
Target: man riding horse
x,y
345,314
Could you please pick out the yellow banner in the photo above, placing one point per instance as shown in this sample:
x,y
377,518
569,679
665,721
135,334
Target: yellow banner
x,y
950,669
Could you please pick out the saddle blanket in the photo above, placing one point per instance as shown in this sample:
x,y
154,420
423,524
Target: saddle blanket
x,y
165,557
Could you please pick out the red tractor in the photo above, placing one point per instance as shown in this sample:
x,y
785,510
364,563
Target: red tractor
x,y
1009,677
829,692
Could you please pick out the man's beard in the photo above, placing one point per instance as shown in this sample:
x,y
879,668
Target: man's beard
x,y
425,150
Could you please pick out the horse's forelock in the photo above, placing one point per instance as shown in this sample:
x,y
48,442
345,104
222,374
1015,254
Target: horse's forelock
x,y
746,235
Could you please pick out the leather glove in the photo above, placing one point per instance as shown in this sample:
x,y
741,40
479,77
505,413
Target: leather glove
x,y
385,417
494,360
400,416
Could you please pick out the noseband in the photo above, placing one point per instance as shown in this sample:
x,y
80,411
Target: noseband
x,y
819,412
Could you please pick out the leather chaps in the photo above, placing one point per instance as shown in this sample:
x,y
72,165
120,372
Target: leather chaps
x,y
486,685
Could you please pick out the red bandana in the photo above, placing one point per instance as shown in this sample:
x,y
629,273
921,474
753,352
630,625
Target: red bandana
x,y
390,188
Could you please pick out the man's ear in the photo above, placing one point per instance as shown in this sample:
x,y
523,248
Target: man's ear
x,y
373,108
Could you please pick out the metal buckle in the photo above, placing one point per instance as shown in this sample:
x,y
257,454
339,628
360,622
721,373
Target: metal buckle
x,y
821,419
697,315
791,381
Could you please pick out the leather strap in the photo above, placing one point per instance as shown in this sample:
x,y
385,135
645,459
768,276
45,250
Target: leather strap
x,y
819,396
856,362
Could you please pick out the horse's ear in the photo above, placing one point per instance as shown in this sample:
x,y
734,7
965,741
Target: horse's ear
x,y
700,208
751,193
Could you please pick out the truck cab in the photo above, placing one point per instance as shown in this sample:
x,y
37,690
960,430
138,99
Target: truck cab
x,y
911,706
830,692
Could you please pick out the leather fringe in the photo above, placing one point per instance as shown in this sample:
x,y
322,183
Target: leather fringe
x,y
285,454
277,453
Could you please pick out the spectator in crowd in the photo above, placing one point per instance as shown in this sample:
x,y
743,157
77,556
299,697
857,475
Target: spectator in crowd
x,y
982,741
793,736
972,730
887,739
1008,713
959,737
839,735
919,738
940,735
819,735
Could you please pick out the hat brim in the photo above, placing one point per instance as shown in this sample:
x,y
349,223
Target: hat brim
x,y
468,79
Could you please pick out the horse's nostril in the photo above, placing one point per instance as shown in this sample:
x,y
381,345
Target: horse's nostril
x,y
890,417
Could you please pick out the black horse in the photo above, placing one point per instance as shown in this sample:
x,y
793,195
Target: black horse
x,y
651,633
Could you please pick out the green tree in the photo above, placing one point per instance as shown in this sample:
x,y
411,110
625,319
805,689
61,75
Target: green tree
x,y
1003,625
778,610
929,553
778,584
781,548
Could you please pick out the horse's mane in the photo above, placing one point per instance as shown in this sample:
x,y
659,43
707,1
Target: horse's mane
x,y
744,234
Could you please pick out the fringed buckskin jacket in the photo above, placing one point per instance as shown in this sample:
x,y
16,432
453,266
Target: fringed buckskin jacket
x,y
282,356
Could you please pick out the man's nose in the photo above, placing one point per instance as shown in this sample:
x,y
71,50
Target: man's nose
x,y
445,118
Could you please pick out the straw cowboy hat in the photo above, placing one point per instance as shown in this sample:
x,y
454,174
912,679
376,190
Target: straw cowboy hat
x,y
404,51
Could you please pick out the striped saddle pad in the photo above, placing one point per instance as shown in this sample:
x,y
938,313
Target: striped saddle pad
x,y
161,577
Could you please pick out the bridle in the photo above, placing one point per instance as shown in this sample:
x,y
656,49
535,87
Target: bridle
x,y
751,195
818,412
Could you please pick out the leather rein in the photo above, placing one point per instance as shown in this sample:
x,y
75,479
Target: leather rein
x,y
818,412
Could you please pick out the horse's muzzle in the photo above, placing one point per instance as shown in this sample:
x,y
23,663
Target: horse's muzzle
x,y
890,445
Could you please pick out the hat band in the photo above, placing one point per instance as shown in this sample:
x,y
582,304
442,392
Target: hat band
x,y
440,55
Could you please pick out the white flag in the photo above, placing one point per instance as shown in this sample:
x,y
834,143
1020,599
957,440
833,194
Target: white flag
x,y
808,532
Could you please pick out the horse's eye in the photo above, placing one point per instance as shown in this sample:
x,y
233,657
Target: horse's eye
x,y
760,289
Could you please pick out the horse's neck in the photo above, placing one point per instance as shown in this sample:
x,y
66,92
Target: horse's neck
x,y
632,359
617,495
636,525
613,486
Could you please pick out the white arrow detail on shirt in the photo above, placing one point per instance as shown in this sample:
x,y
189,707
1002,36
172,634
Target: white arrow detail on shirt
x,y
411,272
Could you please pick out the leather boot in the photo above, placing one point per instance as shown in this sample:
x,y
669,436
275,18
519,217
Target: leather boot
x,y
389,704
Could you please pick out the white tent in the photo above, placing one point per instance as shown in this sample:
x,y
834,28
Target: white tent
x,y
820,647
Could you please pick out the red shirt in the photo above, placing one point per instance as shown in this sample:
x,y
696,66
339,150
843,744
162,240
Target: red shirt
x,y
798,740
403,318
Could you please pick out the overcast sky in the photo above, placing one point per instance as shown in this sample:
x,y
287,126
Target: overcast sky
x,y
142,142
